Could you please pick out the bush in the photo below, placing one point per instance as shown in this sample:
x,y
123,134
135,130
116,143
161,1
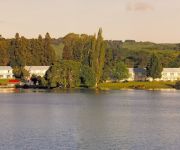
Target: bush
x,y
177,85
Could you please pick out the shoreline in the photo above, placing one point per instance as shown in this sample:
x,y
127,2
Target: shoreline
x,y
155,85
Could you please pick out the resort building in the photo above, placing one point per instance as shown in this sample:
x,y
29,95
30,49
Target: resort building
x,y
6,72
37,70
137,74
168,74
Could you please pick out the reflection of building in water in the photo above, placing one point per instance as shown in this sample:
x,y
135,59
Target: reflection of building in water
x,y
6,72
37,70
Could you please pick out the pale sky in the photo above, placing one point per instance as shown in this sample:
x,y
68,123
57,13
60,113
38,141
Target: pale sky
x,y
141,20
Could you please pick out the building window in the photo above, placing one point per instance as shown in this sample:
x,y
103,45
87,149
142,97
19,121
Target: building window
x,y
172,74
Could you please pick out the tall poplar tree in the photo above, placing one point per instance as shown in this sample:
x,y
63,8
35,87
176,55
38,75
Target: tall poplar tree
x,y
98,56
49,51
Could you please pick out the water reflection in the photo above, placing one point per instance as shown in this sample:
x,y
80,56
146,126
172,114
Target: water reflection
x,y
85,119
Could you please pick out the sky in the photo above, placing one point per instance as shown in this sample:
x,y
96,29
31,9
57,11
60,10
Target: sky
x,y
140,20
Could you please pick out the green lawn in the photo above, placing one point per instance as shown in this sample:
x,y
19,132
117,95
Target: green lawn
x,y
138,85
4,81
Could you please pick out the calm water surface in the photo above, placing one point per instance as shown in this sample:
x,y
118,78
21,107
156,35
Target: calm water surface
x,y
90,120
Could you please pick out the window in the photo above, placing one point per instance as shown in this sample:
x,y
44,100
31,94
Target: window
x,y
172,74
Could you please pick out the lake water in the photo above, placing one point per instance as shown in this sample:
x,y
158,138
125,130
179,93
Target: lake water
x,y
89,120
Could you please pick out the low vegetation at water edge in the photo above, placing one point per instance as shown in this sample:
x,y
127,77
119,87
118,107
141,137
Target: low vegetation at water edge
x,y
138,85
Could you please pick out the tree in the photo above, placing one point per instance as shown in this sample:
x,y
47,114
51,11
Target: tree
x,y
34,79
65,74
154,67
87,76
42,81
17,52
120,71
21,73
175,63
49,52
98,56
4,53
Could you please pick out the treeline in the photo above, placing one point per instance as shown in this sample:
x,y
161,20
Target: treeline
x,y
20,51
82,60
137,54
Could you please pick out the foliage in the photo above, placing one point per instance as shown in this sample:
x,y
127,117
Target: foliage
x,y
87,76
137,54
138,85
175,63
64,74
34,79
78,48
24,51
20,73
98,56
120,71
92,51
4,53
58,48
38,80
154,67
42,81
88,50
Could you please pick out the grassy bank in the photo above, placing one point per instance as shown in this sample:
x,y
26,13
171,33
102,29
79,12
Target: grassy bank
x,y
138,85
4,81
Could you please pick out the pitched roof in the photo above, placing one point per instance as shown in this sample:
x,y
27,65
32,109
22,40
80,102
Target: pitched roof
x,y
5,68
37,67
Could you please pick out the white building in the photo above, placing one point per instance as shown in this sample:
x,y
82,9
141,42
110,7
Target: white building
x,y
168,74
37,70
6,72
137,74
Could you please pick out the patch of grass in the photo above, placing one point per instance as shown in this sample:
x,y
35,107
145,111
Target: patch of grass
x,y
138,85
4,81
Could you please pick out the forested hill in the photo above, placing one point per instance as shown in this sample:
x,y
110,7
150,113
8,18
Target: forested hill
x,y
132,53
21,51
136,54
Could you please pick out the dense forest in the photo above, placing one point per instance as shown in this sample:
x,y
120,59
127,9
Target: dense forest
x,y
90,53
44,51
20,51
